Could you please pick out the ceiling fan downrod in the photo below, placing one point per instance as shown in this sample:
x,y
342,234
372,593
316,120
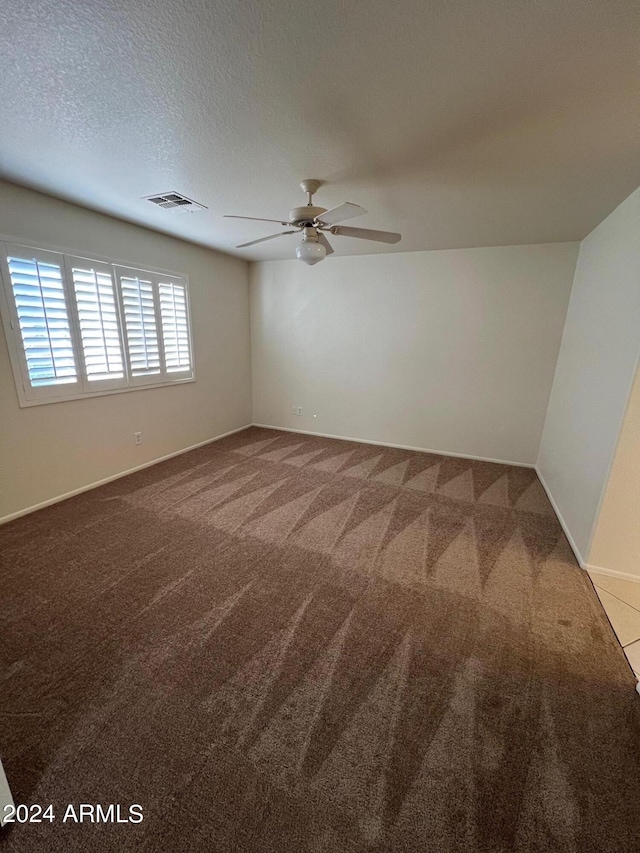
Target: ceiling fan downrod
x,y
310,186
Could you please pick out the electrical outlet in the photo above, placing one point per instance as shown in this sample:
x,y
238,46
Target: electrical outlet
x,y
299,412
137,438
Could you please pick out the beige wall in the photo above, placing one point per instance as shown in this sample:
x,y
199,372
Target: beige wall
x,y
447,350
49,450
616,541
596,365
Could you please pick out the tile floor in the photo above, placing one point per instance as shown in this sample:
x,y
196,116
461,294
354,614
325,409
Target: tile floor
x,y
621,601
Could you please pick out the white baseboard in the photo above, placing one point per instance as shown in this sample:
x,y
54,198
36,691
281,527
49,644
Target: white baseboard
x,y
612,573
600,570
563,523
110,479
397,446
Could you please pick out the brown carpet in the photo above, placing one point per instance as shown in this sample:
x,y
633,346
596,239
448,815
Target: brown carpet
x,y
280,643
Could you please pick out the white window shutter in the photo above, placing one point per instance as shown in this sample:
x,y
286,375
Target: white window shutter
x,y
77,326
175,327
39,310
98,320
142,333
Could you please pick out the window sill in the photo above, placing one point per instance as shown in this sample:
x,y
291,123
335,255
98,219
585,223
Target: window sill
x,y
45,401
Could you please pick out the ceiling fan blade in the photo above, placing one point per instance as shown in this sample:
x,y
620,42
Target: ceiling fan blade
x,y
367,234
339,214
254,218
327,245
262,239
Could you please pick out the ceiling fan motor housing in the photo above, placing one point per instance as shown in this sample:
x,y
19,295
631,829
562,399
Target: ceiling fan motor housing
x,y
301,216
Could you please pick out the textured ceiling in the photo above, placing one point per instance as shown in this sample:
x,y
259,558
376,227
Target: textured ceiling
x,y
457,123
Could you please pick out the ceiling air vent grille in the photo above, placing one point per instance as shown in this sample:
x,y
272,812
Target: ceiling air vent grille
x,y
174,201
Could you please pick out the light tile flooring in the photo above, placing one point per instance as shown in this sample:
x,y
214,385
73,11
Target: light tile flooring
x,y
621,601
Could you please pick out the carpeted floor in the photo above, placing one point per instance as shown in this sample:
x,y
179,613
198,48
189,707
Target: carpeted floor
x,y
285,644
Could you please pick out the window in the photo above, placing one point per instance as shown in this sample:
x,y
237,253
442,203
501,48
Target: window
x,y
80,327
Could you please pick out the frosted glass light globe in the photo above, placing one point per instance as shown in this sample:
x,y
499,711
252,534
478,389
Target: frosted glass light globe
x,y
310,252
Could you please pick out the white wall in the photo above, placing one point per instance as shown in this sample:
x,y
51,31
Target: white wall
x,y
49,450
596,365
616,540
452,350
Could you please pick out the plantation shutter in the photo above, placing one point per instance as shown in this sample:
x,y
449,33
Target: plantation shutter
x,y
77,326
142,334
175,329
39,309
97,312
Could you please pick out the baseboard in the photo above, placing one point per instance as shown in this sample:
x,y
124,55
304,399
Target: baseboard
x,y
612,573
563,523
599,570
113,477
397,446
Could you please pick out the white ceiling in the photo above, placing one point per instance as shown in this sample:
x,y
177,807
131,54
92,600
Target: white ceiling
x,y
459,123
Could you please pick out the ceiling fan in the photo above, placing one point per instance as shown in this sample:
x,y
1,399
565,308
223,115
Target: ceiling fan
x,y
313,221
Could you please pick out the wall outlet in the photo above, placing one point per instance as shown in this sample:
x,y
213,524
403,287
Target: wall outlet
x,y
299,411
137,438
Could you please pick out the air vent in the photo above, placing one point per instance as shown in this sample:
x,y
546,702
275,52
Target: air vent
x,y
174,201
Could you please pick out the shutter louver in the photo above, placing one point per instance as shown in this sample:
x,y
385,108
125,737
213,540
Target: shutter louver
x,y
141,326
38,292
175,330
98,321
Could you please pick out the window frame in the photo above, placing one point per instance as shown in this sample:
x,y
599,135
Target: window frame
x,y
83,388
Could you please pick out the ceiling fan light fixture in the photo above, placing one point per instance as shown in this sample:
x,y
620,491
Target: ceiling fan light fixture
x,y
310,251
